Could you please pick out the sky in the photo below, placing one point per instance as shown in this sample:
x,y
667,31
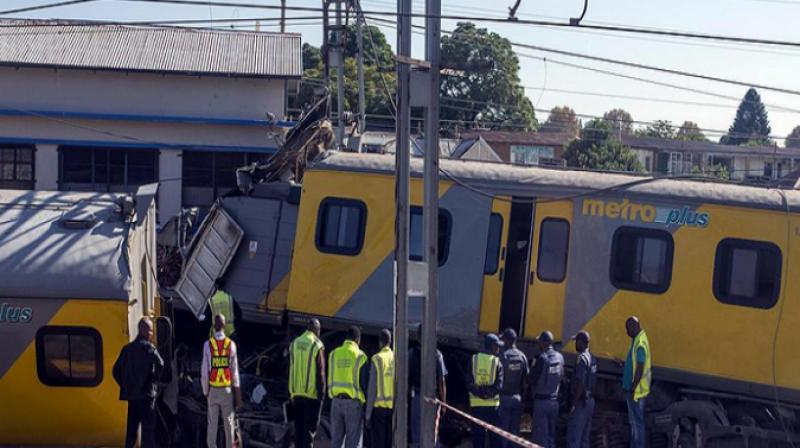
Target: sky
x,y
549,84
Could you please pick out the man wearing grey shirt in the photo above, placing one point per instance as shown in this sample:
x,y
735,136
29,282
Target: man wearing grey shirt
x,y
219,376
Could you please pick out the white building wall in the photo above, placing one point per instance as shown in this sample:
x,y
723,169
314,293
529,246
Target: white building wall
x,y
46,167
170,171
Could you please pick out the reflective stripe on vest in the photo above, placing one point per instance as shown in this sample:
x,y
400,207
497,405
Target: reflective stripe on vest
x,y
484,372
303,356
344,368
384,366
643,388
220,374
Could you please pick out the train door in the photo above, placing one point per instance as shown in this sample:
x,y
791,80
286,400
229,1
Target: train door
x,y
494,265
517,264
549,258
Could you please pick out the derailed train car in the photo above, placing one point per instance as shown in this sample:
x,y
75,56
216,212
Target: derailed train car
x,y
707,266
76,274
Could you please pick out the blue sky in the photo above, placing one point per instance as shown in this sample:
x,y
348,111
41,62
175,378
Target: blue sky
x,y
550,84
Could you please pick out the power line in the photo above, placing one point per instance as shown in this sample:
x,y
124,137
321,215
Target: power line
x,y
45,6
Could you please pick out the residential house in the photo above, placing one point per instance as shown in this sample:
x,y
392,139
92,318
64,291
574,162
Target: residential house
x,y
101,107
521,148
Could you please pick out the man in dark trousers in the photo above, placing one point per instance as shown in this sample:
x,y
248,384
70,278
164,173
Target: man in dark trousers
x,y
136,371
414,372
636,380
307,383
515,372
545,379
380,394
584,377
484,382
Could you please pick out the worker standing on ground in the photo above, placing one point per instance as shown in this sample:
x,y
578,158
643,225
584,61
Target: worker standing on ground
x,y
515,372
584,377
414,378
307,383
636,378
380,394
484,383
348,375
222,303
220,381
545,379
136,371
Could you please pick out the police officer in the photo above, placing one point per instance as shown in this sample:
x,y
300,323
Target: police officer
x,y
515,372
380,394
348,374
584,376
545,378
220,381
484,381
307,383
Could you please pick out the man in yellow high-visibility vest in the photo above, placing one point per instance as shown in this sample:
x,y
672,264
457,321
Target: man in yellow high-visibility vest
x,y
380,394
636,379
348,376
307,383
484,383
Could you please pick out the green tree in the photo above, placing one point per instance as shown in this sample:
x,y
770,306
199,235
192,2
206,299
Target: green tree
x,y
599,149
619,120
489,88
312,56
562,119
751,123
793,139
719,171
375,48
690,131
658,129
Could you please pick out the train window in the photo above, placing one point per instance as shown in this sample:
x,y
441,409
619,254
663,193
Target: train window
x,y
747,273
641,259
415,235
340,226
493,243
69,356
553,248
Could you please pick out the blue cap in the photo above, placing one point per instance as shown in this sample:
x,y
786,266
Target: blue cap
x,y
509,334
491,340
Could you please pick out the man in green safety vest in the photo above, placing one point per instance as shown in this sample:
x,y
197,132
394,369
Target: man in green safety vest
x,y
485,379
307,383
222,303
380,394
348,375
636,379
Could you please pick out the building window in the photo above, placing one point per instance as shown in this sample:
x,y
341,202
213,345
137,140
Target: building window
x,y
208,175
641,259
530,155
17,166
747,273
69,356
416,232
553,249
340,226
680,163
106,169
493,243
768,169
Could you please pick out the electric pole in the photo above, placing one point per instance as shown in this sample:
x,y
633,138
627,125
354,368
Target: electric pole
x,y
283,16
362,118
339,76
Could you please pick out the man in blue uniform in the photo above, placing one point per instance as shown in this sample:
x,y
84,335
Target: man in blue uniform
x,y
515,372
545,379
584,376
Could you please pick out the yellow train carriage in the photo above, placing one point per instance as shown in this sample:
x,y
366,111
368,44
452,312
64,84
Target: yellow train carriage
x,y
75,277
708,267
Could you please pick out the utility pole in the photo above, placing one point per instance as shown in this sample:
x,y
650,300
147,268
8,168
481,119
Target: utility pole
x,y
431,222
283,16
402,161
339,76
362,118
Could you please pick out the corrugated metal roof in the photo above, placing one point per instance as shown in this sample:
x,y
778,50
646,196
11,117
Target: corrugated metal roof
x,y
161,49
41,258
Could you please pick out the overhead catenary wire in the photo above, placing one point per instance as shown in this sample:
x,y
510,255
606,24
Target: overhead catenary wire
x,y
42,7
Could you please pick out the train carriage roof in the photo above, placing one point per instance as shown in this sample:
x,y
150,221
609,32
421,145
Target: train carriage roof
x,y
514,180
62,245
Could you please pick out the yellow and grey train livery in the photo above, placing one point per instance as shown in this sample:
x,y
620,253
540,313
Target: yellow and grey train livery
x,y
707,266
76,274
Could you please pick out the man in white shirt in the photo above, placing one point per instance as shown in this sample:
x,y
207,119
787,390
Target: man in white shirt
x,y
220,380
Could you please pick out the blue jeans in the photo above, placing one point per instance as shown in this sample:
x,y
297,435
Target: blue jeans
x,y
579,427
636,421
545,416
489,415
510,416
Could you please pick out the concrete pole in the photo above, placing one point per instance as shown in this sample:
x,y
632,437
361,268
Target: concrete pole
x,y
339,77
283,16
362,119
402,160
431,221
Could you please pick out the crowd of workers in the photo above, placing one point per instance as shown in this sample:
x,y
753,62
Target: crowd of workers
x,y
361,389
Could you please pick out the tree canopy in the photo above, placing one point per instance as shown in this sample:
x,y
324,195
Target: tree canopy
x,y
690,131
488,89
599,149
658,129
619,120
751,123
562,119
793,139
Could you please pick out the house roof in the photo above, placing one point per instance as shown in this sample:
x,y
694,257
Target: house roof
x,y
530,138
664,144
41,256
157,49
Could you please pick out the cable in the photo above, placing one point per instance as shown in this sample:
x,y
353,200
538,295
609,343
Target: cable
x,y
41,7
